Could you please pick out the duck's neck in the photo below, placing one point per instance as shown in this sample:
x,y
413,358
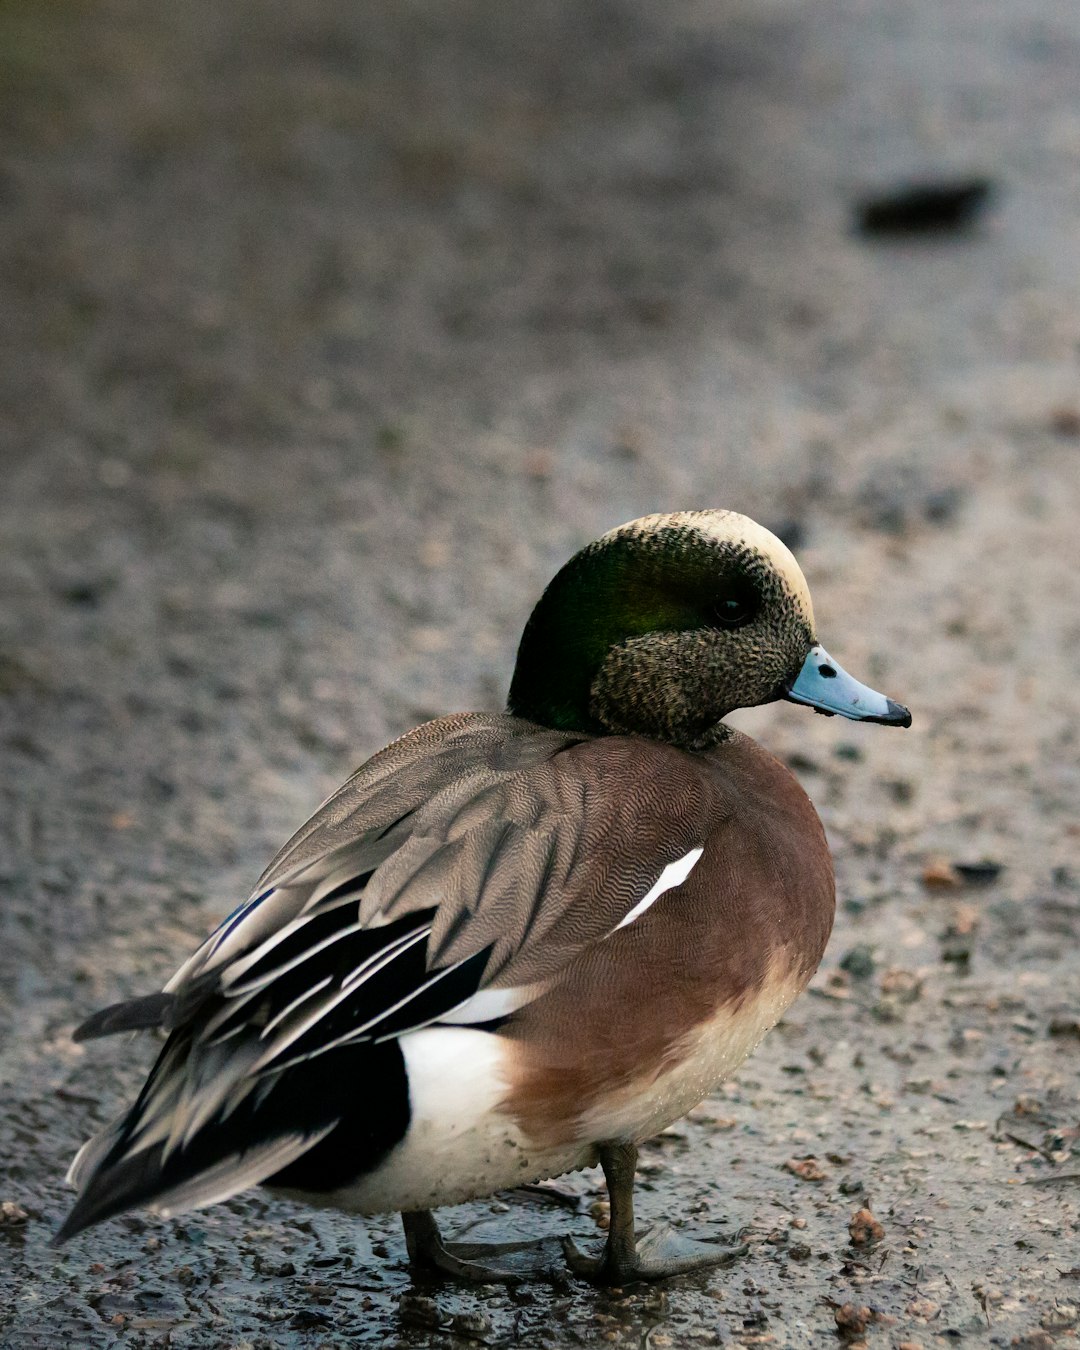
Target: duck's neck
x,y
556,662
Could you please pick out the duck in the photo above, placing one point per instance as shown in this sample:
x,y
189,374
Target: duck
x,y
514,944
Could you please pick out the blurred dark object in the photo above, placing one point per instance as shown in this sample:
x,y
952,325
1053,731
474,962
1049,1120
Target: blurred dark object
x,y
1065,422
924,208
981,873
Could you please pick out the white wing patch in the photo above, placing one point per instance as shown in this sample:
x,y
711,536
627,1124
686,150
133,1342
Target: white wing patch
x,y
674,874
488,1004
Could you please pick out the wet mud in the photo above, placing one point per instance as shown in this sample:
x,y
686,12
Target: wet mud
x,y
328,332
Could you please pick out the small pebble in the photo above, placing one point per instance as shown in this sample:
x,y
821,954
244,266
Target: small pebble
x,y
1060,1317
420,1311
903,985
859,962
939,874
1065,422
852,1320
473,1325
864,1229
924,207
807,1169
980,873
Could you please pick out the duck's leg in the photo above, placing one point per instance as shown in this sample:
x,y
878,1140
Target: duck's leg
x,y
471,1260
661,1252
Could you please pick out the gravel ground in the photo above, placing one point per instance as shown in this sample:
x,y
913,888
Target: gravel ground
x,y
328,331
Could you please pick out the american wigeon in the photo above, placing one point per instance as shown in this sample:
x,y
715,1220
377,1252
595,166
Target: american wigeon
x,y
514,944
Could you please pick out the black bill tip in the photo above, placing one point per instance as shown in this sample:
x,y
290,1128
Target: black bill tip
x,y
896,716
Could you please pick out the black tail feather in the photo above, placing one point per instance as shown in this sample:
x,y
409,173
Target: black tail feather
x,y
133,1014
111,1190
345,1109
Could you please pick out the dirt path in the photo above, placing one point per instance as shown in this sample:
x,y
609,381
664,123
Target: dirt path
x,y
327,332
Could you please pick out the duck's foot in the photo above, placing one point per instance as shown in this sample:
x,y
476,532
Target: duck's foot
x,y
660,1253
478,1262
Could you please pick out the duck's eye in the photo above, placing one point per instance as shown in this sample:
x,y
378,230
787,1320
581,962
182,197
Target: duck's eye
x,y
733,610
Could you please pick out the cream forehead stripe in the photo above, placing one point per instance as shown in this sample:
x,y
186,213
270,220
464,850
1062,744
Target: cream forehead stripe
x,y
728,527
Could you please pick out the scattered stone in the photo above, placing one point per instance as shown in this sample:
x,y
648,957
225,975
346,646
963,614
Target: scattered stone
x,y
807,1169
308,1319
864,1229
941,506
12,1215
474,1326
905,986
418,1310
263,1265
939,874
946,206
859,961
852,1320
1065,422
957,952
902,791
980,873
1060,1317
964,922
1065,1027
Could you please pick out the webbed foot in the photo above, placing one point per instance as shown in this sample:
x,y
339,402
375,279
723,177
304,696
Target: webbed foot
x,y
478,1262
660,1253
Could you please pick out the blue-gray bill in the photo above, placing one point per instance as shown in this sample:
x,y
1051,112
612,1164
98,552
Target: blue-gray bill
x,y
826,687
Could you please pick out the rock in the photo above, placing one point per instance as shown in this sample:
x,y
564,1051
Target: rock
x,y
420,1311
905,986
859,961
1065,422
942,206
474,1326
807,1169
939,874
980,873
1060,1317
852,1320
864,1229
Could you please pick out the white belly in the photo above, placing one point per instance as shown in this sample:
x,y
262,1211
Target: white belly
x,y
462,1144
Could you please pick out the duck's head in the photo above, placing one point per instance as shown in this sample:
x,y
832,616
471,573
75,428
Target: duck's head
x,y
668,623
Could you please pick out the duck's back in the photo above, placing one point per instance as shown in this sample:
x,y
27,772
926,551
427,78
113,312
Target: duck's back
x,y
493,947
